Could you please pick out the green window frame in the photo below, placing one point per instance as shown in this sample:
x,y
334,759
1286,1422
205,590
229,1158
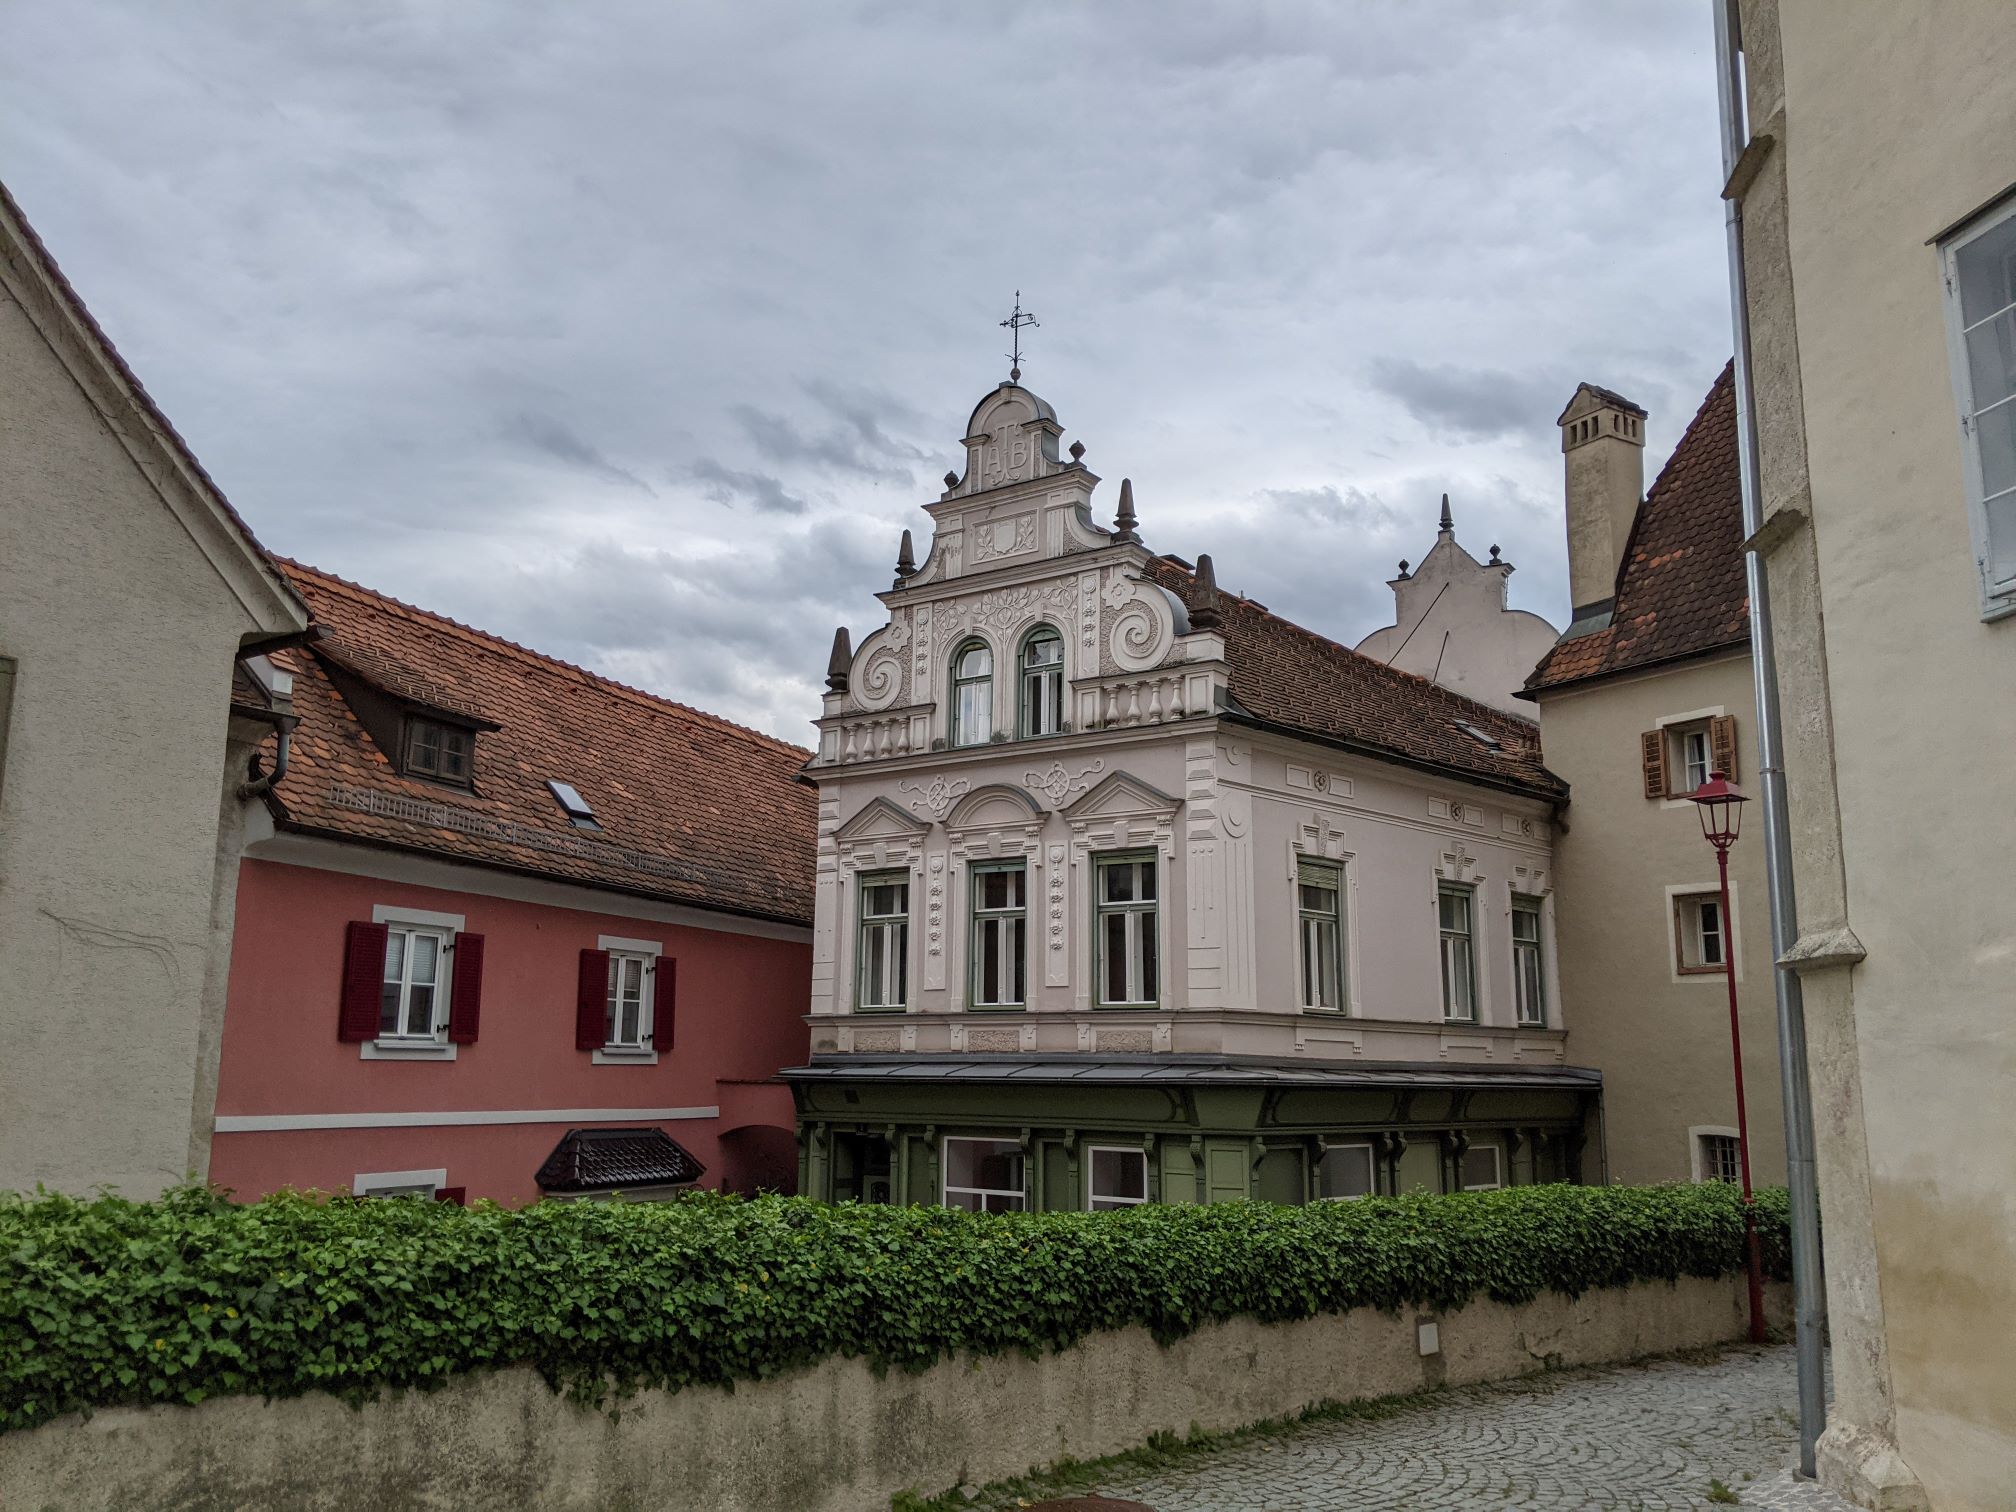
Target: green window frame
x,y
972,693
1319,909
1042,683
1456,919
997,935
1529,961
882,943
1126,903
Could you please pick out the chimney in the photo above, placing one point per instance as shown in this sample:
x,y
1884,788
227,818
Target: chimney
x,y
1603,447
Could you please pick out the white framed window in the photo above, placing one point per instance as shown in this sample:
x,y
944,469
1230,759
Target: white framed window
x,y
630,1020
414,990
399,1183
1692,755
882,949
1115,1177
1319,897
1456,909
1529,964
1980,271
1483,1168
1042,682
1718,1156
972,694
1700,934
1345,1171
999,937
1125,899
984,1175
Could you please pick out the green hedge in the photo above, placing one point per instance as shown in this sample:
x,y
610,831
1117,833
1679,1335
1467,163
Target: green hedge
x,y
112,1301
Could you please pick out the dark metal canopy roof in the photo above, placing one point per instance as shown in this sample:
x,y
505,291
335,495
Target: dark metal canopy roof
x,y
605,1160
1184,1070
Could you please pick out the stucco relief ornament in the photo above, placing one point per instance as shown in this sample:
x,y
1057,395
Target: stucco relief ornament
x,y
999,538
937,795
1058,784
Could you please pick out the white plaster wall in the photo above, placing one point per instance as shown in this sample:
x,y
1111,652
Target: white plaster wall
x,y
110,799
1452,627
832,1438
1899,121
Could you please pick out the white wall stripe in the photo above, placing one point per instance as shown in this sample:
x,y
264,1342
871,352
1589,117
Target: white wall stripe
x,y
263,1123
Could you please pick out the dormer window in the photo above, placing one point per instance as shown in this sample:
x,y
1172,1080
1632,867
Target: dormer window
x,y
438,751
1042,682
972,694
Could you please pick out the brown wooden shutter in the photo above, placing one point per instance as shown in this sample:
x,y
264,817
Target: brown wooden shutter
x,y
591,1001
664,1003
457,1195
1652,752
465,992
1722,742
363,981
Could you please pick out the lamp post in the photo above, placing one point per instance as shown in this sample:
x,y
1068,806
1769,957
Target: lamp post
x,y
1720,802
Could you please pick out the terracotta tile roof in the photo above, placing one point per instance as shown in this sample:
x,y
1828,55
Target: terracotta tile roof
x,y
1293,679
1681,590
693,809
601,1160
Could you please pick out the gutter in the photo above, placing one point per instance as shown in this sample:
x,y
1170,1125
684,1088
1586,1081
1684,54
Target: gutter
x,y
258,785
1741,159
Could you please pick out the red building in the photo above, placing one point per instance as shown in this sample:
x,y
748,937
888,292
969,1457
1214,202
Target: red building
x,y
512,929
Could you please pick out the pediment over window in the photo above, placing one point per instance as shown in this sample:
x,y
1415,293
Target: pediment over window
x,y
879,819
993,807
1123,794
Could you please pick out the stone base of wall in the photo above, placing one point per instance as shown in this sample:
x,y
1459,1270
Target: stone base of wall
x,y
832,1438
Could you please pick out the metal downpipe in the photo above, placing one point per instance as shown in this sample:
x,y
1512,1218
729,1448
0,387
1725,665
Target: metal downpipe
x,y
1809,1297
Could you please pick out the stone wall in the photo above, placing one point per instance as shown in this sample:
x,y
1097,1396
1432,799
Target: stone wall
x,y
832,1438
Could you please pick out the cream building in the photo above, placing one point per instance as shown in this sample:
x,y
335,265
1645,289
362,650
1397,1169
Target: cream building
x,y
1452,626
1877,188
1131,890
133,606
1649,691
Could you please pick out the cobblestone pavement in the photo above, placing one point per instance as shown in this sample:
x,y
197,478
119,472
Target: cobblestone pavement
x,y
1635,1438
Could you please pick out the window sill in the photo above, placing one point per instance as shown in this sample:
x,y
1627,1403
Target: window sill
x,y
407,1050
1126,1007
997,1007
1459,1023
895,1012
625,1055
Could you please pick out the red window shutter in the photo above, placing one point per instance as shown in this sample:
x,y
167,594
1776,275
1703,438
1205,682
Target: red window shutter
x,y
1722,743
591,1002
363,981
664,1003
457,1195
465,992
1652,753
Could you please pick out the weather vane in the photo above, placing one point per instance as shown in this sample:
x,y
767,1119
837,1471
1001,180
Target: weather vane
x,y
1014,323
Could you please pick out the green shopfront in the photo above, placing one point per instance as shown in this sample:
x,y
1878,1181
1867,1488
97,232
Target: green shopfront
x,y
1018,1132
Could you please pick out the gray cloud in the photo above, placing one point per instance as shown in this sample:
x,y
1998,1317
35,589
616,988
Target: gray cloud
x,y
1284,259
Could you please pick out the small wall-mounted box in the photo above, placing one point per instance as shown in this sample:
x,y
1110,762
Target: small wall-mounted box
x,y
1428,1337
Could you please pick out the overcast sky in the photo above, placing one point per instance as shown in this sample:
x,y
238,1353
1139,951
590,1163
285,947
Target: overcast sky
x,y
637,331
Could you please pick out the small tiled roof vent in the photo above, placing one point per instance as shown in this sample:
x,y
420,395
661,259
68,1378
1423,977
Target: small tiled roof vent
x,y
604,1160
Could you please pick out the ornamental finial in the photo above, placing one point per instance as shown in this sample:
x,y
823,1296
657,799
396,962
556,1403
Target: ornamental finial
x,y
1124,522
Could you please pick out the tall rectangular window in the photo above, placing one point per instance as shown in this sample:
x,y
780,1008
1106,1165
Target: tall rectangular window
x,y
1000,935
1116,1178
1700,933
414,1004
1043,682
1319,905
1125,903
1981,323
1459,951
629,1000
1529,973
984,1175
882,976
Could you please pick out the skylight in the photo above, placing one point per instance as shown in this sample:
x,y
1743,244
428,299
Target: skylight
x,y
573,804
1483,737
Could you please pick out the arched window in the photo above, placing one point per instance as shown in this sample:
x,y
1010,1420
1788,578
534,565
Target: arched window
x,y
972,694
1042,682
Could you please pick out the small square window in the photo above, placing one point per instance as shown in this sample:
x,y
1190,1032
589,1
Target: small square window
x,y
1481,1169
1720,1158
1117,1178
438,751
1345,1171
984,1175
1700,934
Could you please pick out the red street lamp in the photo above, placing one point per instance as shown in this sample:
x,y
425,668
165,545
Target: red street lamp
x,y
1720,802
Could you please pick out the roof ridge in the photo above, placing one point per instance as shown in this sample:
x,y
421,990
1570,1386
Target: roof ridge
x,y
1641,514
291,567
1512,721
